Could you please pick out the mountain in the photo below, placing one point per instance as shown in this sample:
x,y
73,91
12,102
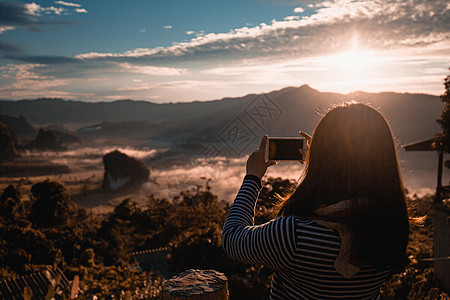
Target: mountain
x,y
7,144
110,130
411,116
19,126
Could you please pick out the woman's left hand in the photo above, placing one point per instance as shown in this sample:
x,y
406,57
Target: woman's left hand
x,y
308,140
256,164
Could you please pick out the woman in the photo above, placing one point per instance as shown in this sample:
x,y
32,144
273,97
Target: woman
x,y
344,229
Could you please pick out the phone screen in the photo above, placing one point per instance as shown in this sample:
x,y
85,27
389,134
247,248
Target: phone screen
x,y
284,149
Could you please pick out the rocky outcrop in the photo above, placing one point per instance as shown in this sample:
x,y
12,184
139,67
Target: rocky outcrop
x,y
7,144
122,171
46,140
66,138
19,126
197,284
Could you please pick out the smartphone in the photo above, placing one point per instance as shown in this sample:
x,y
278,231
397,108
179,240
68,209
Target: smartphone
x,y
284,149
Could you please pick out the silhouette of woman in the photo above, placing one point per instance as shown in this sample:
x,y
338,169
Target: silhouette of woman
x,y
344,229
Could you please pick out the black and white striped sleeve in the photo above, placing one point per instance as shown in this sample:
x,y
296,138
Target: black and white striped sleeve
x,y
271,244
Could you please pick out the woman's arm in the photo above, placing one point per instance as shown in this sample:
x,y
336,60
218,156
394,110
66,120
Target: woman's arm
x,y
270,244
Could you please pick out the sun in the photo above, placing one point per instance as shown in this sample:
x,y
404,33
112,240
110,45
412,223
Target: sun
x,y
354,60
355,69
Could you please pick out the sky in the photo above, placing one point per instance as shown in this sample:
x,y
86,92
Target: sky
x,y
178,51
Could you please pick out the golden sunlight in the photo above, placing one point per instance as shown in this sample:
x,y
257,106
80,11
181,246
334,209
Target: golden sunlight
x,y
353,60
355,69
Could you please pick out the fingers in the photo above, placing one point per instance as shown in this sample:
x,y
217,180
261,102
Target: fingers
x,y
262,146
304,151
308,139
271,163
305,135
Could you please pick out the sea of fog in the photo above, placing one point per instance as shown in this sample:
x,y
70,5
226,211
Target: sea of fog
x,y
223,175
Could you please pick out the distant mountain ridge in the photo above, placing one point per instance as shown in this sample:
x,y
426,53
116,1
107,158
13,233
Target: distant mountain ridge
x,y
411,116
19,125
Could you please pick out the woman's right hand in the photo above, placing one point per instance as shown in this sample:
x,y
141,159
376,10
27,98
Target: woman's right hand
x,y
256,164
308,140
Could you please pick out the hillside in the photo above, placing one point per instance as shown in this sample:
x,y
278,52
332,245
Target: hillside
x,y
19,126
411,116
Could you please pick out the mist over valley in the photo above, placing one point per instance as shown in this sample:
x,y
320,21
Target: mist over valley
x,y
196,143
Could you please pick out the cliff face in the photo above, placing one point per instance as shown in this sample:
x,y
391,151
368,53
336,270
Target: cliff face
x,y
7,144
46,140
122,171
65,137
19,126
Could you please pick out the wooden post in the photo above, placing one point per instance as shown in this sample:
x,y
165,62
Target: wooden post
x,y
441,245
441,219
441,233
437,198
195,285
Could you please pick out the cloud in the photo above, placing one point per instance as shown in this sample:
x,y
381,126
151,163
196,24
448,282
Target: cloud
x,y
28,80
43,59
60,76
167,26
25,82
298,10
225,175
55,10
33,8
5,28
134,88
68,4
292,18
237,58
77,6
143,30
36,10
6,47
28,15
378,25
150,70
16,14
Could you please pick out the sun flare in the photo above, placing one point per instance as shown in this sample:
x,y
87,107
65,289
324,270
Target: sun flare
x,y
355,69
353,60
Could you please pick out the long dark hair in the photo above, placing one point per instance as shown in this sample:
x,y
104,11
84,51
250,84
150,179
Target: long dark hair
x,y
352,155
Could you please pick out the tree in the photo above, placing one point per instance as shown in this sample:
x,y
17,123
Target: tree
x,y
50,206
444,121
11,208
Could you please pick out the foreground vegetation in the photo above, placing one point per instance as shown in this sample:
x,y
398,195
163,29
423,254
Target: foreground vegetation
x,y
51,231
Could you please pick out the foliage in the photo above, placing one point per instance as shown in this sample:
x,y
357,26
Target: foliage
x,y
98,248
117,282
273,192
11,208
50,206
444,121
414,283
418,281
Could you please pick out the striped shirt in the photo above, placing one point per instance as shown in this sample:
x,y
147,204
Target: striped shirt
x,y
301,252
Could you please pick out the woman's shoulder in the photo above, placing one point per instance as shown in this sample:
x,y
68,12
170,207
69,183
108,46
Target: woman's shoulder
x,y
313,225
304,225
